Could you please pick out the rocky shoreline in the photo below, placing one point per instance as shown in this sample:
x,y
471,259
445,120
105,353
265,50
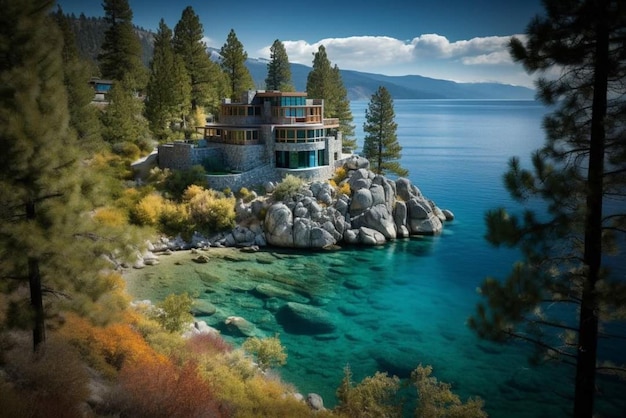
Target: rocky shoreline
x,y
377,210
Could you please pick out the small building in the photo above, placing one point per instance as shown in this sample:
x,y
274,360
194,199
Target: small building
x,y
101,89
262,137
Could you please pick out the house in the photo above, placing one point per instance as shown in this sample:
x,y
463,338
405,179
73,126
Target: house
x,y
101,88
262,137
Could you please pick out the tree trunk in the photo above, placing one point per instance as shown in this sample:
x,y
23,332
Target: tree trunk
x,y
36,294
588,320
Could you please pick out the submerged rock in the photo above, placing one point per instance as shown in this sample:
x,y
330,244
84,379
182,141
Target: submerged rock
x,y
298,318
239,325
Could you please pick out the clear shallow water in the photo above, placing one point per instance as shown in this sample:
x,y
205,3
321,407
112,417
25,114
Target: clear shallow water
x,y
407,302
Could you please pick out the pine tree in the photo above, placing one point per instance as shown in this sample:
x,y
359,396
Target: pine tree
x,y
381,145
344,113
77,72
46,245
207,81
169,88
233,64
124,126
319,81
278,69
324,82
121,59
579,174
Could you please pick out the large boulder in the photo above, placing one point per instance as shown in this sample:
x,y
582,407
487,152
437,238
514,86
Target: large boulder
x,y
368,236
361,201
379,219
240,326
279,225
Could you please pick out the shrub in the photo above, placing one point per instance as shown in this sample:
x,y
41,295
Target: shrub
x,y
111,216
374,397
288,188
50,383
108,348
148,211
248,394
340,175
178,181
435,399
210,344
174,219
269,352
211,211
164,390
173,313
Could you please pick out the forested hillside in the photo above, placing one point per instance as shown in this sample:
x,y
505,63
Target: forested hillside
x,y
360,85
89,33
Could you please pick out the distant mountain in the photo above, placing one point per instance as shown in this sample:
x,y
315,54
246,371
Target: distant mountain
x,y
362,85
90,34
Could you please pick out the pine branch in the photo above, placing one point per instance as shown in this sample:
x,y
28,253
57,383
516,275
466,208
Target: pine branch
x,y
554,325
540,344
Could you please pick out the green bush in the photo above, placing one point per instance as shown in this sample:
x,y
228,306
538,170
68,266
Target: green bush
x,y
269,352
173,313
288,188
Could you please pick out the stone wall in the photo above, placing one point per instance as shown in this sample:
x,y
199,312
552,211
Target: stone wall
x,y
257,176
244,157
175,156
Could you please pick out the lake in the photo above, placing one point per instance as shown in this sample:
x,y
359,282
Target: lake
x,y
407,302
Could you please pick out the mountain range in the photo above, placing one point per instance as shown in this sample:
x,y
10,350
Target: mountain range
x,y
361,85
89,33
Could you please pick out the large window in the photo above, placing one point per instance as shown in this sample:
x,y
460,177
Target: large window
x,y
299,159
299,135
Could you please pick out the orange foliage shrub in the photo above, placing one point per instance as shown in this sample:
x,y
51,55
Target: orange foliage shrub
x,y
164,390
109,348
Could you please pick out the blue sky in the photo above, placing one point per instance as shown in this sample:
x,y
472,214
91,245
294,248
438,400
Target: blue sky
x,y
459,40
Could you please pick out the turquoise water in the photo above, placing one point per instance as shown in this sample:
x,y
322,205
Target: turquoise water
x,y
407,302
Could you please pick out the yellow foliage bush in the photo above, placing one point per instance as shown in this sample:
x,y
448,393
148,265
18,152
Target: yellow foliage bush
x,y
211,211
249,394
340,175
111,216
192,191
148,210
375,396
435,399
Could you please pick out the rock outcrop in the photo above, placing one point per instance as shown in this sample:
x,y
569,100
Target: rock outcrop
x,y
363,209
377,210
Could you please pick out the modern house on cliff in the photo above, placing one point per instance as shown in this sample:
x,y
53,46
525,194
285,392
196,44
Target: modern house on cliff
x,y
262,137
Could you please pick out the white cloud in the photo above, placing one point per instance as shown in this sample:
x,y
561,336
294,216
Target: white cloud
x,y
426,54
359,52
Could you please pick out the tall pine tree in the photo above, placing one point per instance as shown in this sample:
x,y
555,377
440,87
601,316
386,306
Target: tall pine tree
x,y
208,86
324,82
46,244
344,113
120,59
319,81
580,175
77,73
381,146
279,69
233,64
169,88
